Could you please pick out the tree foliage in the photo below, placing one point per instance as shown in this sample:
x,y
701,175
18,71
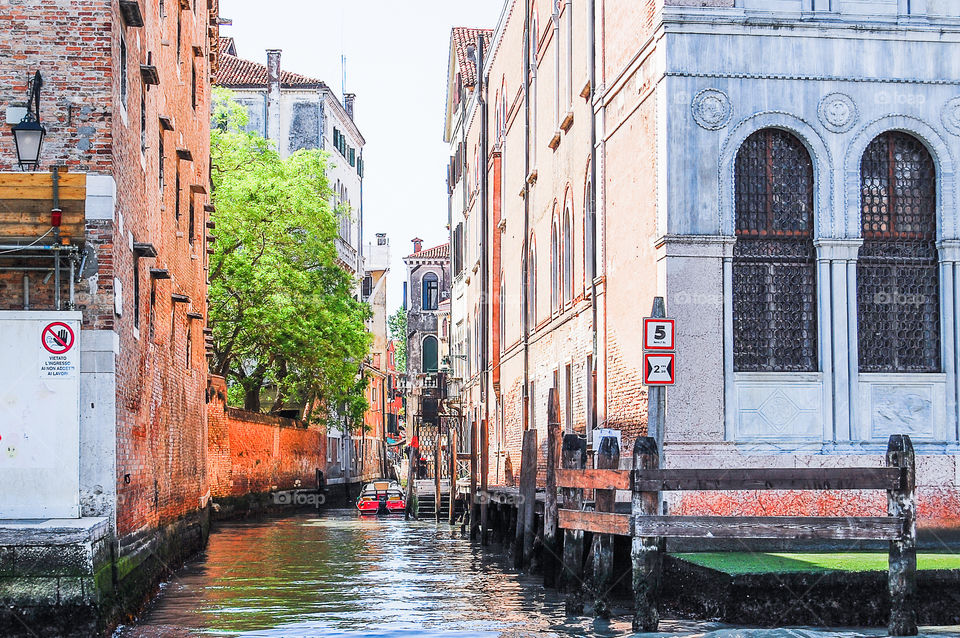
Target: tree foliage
x,y
287,331
398,333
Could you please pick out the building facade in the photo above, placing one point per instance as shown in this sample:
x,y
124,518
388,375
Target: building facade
x,y
103,304
298,112
428,311
782,174
374,292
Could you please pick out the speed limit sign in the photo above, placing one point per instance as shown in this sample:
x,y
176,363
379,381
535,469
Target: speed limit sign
x,y
658,333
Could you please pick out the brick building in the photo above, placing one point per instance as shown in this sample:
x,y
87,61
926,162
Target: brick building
x,y
106,467
790,196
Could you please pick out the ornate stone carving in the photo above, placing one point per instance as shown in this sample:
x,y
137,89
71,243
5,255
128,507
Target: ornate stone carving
x,y
951,115
838,112
901,410
711,109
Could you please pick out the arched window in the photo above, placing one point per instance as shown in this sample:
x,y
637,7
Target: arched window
x,y
898,296
429,354
431,291
554,267
774,274
531,285
567,256
589,224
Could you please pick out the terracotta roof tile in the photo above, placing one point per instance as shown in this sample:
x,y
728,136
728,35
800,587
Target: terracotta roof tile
x,y
462,38
437,252
237,72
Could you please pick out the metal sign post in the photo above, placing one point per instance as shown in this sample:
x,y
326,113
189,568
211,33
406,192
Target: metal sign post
x,y
659,367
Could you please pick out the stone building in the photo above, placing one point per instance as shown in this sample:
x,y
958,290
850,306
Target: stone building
x,y
102,306
427,305
297,112
782,174
374,291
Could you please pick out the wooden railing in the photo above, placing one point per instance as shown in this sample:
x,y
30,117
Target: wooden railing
x,y
648,528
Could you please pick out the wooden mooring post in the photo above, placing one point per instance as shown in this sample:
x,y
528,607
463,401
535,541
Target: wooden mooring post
x,y
551,546
645,552
484,476
607,458
452,448
414,456
574,457
472,506
528,494
902,576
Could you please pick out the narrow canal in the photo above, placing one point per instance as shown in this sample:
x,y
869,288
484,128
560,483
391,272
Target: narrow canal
x,y
340,575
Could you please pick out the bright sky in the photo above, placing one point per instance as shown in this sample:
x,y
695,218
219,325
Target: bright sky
x,y
397,55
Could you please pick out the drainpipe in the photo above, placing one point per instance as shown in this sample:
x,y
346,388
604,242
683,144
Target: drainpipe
x,y
592,63
484,278
526,216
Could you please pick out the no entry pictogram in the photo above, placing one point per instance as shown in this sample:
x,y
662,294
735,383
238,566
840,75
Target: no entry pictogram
x,y
57,337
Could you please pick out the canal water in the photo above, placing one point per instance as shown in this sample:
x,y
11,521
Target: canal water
x,y
342,575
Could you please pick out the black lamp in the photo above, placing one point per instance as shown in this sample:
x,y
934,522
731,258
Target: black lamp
x,y
28,134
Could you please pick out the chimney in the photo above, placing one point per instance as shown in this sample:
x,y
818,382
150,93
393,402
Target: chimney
x,y
273,96
417,244
348,100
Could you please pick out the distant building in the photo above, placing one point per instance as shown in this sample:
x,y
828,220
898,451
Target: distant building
x,y
376,367
297,112
428,291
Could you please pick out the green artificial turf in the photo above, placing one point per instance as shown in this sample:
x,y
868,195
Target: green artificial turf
x,y
736,563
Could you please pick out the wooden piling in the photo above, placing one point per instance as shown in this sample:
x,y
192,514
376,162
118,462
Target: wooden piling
x,y
574,457
414,456
452,448
436,479
645,551
472,507
607,458
551,548
901,502
484,469
528,493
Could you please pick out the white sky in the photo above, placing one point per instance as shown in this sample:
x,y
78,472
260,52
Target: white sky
x,y
397,56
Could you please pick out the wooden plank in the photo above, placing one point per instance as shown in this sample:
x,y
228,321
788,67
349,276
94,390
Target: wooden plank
x,y
44,191
789,527
791,478
32,231
39,179
594,479
596,522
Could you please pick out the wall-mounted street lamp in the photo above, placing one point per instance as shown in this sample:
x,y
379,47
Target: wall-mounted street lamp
x,y
28,134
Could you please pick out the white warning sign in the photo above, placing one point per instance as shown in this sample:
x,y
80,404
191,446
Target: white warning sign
x,y
58,351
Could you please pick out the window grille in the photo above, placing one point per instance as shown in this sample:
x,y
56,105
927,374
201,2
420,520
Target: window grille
x,y
898,297
774,261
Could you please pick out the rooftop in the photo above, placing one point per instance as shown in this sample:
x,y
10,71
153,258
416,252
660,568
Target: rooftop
x,y
437,252
462,38
235,72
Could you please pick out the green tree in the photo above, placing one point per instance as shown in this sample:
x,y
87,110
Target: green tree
x,y
398,332
286,328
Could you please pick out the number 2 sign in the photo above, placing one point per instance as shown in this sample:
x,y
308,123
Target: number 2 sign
x,y
658,334
659,368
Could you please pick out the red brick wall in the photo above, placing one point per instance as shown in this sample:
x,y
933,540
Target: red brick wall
x,y
251,453
160,417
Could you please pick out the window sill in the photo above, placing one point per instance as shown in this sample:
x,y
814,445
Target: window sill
x,y
555,140
567,121
778,377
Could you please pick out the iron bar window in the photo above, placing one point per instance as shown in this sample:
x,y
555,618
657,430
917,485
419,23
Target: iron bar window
x,y
774,260
898,296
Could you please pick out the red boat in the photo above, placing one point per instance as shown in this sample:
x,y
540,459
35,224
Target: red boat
x,y
381,497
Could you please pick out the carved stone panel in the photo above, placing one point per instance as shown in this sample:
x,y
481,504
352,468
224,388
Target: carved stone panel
x,y
891,406
779,410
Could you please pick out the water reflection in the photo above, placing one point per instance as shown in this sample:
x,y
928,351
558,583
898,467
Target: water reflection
x,y
342,575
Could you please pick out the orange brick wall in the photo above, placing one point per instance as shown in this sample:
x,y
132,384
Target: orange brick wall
x,y
252,453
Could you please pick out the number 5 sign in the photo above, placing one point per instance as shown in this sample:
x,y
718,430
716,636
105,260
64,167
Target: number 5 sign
x,y
658,334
